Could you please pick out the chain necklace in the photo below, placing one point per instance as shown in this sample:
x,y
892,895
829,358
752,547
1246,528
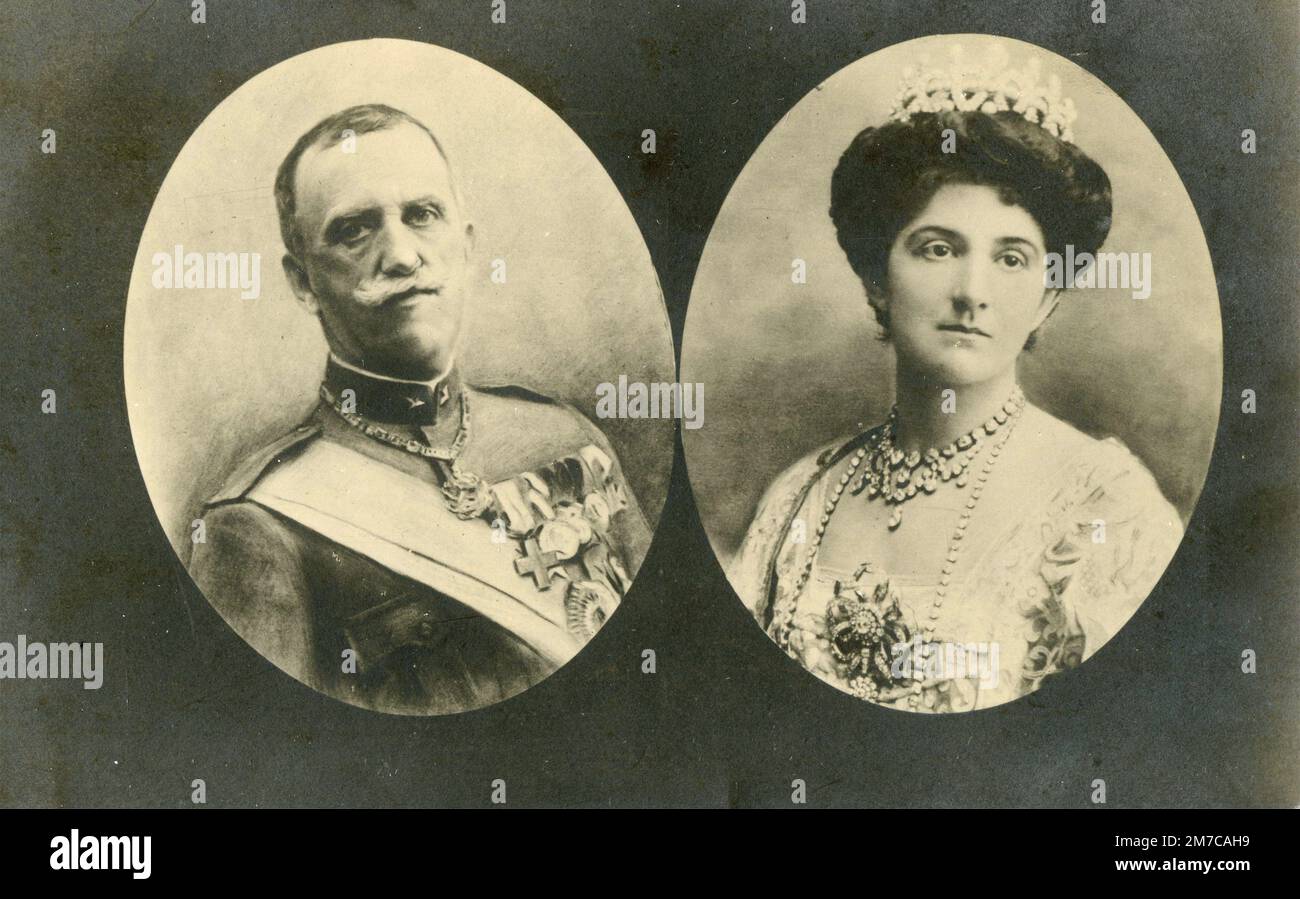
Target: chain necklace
x,y
466,494
896,476
783,619
410,444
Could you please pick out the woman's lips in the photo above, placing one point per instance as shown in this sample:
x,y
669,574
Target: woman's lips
x,y
964,329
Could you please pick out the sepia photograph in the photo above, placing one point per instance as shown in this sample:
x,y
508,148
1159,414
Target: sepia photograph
x,y
365,333
418,405
980,380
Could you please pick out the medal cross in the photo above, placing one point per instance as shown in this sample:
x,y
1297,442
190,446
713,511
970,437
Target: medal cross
x,y
537,564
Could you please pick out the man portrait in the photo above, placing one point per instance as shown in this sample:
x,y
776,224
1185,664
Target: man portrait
x,y
421,541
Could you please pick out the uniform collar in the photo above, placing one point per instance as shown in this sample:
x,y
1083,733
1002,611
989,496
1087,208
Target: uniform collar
x,y
393,400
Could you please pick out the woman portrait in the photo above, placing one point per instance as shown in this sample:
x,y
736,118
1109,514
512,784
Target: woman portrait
x,y
961,501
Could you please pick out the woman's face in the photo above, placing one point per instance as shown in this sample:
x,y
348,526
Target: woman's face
x,y
965,285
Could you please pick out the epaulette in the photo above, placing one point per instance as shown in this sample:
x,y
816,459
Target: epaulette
x,y
539,401
545,421
516,392
252,467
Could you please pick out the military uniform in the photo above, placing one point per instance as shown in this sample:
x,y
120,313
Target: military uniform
x,y
348,553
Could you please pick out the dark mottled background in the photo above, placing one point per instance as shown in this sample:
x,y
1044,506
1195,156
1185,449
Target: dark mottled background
x,y
1162,712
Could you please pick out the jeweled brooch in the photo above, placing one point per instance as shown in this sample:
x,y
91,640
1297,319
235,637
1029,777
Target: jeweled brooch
x,y
864,625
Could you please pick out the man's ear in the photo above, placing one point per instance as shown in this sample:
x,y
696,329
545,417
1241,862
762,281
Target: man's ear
x,y
471,239
1051,299
300,283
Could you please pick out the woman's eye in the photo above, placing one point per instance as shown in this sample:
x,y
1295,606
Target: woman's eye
x,y
936,250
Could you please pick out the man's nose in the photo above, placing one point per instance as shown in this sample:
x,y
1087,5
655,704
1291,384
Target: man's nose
x,y
399,250
973,285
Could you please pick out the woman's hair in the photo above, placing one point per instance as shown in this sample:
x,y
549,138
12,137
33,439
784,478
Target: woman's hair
x,y
889,173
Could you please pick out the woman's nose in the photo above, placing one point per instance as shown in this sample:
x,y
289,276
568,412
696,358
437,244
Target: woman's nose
x,y
972,286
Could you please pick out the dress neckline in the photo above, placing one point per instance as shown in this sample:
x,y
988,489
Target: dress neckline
x,y
972,566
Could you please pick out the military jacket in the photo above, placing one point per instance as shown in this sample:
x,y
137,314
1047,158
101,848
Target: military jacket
x,y
344,553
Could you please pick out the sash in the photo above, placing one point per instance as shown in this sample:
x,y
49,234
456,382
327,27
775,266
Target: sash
x,y
403,523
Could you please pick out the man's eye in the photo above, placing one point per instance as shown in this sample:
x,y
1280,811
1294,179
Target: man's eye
x,y
1012,261
936,250
423,215
350,232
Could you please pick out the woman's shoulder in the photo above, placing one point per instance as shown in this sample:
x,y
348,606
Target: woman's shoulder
x,y
1099,478
1071,447
1067,441
1107,536
795,480
817,462
750,566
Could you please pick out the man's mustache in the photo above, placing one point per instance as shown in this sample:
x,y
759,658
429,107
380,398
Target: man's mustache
x,y
380,291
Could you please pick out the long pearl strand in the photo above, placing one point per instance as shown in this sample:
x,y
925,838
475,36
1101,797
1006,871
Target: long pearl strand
x,y
783,617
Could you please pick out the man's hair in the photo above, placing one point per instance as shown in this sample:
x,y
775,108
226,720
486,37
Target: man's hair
x,y
326,133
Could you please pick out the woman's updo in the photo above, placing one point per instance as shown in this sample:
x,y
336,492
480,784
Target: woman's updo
x,y
889,173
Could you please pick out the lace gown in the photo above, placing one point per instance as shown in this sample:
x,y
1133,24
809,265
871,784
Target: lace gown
x,y
1041,590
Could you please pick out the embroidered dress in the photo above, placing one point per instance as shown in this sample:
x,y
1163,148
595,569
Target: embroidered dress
x,y
1040,591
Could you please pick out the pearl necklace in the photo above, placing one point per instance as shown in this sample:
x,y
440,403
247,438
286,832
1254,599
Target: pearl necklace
x,y
783,617
896,476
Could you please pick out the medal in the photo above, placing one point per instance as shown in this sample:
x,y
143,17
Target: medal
x,y
467,495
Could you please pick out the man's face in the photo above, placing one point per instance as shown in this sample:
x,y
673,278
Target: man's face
x,y
965,285
385,251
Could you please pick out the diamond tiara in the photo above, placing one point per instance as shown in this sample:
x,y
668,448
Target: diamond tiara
x,y
987,87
